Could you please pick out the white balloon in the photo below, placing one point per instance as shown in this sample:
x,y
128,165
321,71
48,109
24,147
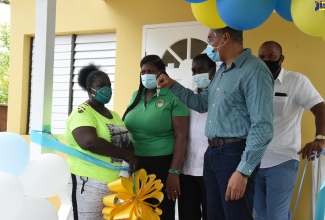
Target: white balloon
x,y
11,195
45,176
37,209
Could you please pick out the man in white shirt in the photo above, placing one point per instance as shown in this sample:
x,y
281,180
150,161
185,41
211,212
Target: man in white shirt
x,y
276,178
192,203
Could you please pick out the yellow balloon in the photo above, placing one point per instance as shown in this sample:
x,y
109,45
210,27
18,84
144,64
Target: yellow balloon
x,y
206,13
309,16
323,38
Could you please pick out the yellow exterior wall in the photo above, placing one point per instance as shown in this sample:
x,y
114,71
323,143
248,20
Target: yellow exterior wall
x,y
303,53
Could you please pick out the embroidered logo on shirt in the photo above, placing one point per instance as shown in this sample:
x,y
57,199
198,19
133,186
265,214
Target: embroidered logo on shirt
x,y
82,108
160,103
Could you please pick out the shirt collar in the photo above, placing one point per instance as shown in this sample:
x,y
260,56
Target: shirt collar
x,y
241,58
280,76
163,91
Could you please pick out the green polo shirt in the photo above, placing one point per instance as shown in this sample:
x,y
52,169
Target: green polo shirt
x,y
151,125
112,130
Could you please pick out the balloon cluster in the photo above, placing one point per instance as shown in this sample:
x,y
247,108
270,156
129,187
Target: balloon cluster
x,y
307,15
25,184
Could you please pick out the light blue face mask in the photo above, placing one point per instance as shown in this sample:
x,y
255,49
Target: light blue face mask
x,y
201,80
211,54
149,81
215,56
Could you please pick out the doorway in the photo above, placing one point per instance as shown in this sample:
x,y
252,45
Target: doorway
x,y
177,44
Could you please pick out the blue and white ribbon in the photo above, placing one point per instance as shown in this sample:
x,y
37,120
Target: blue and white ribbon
x,y
40,138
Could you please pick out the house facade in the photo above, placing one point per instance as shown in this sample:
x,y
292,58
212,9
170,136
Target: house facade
x,y
92,22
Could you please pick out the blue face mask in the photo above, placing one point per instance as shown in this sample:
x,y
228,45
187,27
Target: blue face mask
x,y
201,80
103,95
149,81
211,54
215,56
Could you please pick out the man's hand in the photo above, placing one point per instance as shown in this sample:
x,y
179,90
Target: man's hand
x,y
236,186
164,81
312,148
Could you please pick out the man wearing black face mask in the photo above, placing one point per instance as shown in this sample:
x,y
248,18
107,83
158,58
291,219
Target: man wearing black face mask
x,y
276,178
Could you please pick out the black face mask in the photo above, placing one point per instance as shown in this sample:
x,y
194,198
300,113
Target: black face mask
x,y
273,65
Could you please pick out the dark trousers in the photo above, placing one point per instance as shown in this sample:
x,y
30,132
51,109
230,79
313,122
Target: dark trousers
x,y
192,203
219,164
159,165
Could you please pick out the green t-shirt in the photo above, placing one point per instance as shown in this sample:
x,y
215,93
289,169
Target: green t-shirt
x,y
112,130
151,125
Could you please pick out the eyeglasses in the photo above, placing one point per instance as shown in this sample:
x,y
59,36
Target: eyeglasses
x,y
210,39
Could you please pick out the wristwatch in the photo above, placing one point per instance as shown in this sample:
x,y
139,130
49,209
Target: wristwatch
x,y
320,137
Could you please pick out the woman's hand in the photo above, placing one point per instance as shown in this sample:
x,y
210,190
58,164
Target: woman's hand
x,y
133,164
172,186
132,160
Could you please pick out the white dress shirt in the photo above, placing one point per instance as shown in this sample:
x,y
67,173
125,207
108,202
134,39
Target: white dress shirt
x,y
197,144
300,95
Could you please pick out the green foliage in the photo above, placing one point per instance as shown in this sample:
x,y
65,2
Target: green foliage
x,y
4,61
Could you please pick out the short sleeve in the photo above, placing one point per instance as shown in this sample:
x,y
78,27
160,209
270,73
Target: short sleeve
x,y
179,108
81,119
306,96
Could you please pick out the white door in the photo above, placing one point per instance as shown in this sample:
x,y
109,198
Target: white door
x,y
177,44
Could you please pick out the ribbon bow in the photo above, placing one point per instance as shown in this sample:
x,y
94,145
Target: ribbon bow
x,y
131,198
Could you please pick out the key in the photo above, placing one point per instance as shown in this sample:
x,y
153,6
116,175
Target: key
x,y
158,90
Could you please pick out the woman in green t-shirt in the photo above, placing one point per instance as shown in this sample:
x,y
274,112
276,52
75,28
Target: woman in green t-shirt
x,y
158,123
99,132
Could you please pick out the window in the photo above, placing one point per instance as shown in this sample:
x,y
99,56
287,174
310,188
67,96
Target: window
x,y
70,54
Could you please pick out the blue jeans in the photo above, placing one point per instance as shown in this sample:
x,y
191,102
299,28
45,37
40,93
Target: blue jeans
x,y
274,188
219,164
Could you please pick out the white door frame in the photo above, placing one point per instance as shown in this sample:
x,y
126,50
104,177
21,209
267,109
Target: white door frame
x,y
153,26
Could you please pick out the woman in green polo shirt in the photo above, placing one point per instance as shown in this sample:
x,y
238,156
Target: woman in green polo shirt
x,y
158,123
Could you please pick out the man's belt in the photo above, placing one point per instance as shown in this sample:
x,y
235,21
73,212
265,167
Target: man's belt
x,y
216,142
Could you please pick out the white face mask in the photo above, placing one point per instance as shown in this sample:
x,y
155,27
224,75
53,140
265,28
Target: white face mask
x,y
149,81
201,80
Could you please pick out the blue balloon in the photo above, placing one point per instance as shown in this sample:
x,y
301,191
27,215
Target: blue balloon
x,y
283,8
195,1
14,153
245,14
320,204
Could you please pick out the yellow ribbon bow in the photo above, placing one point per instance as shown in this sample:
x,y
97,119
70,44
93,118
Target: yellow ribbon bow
x,y
130,200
